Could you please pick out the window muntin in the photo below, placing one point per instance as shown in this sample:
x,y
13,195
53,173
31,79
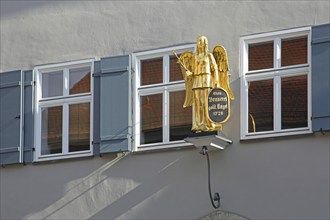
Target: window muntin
x,y
160,120
288,79
63,116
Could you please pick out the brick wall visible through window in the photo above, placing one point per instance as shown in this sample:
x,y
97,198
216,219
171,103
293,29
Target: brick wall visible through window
x,y
276,81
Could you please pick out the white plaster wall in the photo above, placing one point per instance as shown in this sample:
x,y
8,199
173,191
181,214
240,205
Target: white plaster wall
x,y
283,179
39,32
278,178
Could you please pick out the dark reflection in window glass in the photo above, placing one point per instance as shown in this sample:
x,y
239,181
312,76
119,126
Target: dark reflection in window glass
x,y
52,84
294,51
79,127
175,69
294,102
151,119
180,118
261,56
80,80
261,106
51,130
152,71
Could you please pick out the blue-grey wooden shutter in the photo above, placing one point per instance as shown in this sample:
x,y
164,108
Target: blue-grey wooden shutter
x,y
114,104
321,77
96,107
16,118
28,127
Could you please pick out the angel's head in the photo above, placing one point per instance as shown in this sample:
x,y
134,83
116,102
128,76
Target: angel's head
x,y
202,45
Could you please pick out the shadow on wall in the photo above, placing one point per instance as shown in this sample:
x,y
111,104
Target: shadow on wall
x,y
86,197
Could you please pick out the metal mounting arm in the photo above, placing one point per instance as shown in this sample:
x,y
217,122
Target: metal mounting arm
x,y
216,197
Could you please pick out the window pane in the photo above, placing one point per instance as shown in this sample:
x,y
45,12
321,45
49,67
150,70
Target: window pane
x,y
180,118
261,56
80,80
261,106
294,51
175,69
51,130
152,71
52,84
152,119
79,127
294,102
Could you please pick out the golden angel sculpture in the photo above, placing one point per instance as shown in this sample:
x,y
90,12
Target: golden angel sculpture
x,y
204,71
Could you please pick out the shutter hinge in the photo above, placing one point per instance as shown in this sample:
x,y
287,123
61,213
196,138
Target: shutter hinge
x,y
96,74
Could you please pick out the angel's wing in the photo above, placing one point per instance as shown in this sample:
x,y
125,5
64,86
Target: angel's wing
x,y
187,60
220,56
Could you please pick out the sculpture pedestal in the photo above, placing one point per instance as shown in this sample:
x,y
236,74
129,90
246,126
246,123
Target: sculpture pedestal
x,y
212,142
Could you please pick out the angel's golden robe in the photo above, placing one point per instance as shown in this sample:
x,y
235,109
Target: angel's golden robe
x,y
204,66
202,72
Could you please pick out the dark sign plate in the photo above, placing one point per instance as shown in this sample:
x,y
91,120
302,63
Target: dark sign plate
x,y
218,105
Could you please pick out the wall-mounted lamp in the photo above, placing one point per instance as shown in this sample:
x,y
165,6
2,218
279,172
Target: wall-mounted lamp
x,y
206,143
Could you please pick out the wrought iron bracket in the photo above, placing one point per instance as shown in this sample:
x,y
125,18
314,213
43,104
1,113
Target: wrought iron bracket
x,y
206,143
215,200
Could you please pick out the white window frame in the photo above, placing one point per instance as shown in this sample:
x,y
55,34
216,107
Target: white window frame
x,y
162,88
63,101
273,73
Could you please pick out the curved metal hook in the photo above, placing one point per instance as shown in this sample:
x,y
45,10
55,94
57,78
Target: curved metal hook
x,y
215,200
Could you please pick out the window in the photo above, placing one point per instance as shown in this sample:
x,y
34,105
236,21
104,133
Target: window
x,y
160,121
275,86
63,110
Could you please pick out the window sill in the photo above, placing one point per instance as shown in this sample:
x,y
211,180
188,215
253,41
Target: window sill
x,y
271,134
63,156
162,146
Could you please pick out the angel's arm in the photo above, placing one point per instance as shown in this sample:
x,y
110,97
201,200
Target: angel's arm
x,y
187,60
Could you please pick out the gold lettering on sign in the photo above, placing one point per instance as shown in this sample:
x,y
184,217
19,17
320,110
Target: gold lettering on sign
x,y
218,107
220,99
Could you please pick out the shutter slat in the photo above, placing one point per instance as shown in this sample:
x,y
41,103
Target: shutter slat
x,y
7,85
115,69
9,149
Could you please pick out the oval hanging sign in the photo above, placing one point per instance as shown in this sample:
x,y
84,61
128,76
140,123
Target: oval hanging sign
x,y
218,105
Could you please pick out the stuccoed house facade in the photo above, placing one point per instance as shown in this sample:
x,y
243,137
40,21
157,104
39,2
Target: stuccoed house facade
x,y
91,117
